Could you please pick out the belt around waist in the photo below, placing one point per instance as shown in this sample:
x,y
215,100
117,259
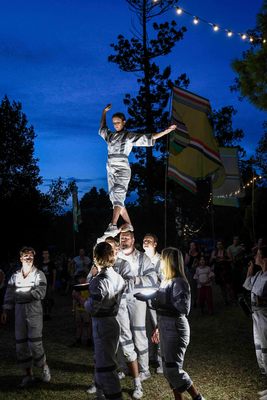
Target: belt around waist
x,y
120,156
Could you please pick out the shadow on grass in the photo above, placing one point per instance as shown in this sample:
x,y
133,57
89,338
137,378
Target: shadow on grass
x,y
62,366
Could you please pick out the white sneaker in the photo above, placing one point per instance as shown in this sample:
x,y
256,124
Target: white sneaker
x,y
121,375
127,228
91,389
112,230
26,381
138,392
46,374
159,370
100,394
144,375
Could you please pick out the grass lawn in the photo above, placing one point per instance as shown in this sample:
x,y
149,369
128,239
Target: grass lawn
x,y
220,359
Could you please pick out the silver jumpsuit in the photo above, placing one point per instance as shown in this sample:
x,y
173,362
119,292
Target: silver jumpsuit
x,y
106,290
144,277
120,145
173,305
257,284
26,295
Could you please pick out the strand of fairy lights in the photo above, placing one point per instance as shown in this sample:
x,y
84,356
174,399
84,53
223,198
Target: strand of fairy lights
x,y
229,32
245,186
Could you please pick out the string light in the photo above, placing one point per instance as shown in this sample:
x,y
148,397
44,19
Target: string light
x,y
216,27
237,192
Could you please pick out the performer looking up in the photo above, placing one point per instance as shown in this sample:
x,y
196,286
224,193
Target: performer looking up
x,y
120,144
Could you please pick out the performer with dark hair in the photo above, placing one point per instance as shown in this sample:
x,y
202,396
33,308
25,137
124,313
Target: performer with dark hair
x,y
120,144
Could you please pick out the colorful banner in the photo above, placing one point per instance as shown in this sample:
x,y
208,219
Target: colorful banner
x,y
193,151
225,194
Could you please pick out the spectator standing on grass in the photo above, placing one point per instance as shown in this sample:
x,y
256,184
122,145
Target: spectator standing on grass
x,y
25,291
81,263
236,254
221,265
204,277
191,260
2,287
83,322
49,269
172,303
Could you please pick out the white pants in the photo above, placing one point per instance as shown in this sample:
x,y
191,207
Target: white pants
x,y
260,338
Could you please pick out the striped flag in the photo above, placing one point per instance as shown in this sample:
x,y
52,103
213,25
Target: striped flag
x,y
228,193
76,211
193,152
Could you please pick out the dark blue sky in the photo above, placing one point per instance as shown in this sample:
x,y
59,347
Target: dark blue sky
x,y
53,59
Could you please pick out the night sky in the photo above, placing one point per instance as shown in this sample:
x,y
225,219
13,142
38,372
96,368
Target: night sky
x,y
53,59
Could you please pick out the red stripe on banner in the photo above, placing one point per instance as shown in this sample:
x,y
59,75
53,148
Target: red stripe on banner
x,y
193,98
216,155
176,176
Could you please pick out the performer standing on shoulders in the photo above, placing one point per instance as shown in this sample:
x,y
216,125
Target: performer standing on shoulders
x,y
120,144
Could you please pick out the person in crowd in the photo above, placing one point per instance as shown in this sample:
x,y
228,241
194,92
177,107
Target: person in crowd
x,y
106,290
83,322
144,276
120,144
236,254
26,289
2,287
81,263
204,277
150,243
257,284
172,302
49,269
221,265
191,261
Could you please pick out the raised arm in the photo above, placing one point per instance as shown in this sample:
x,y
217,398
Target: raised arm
x,y
163,133
103,122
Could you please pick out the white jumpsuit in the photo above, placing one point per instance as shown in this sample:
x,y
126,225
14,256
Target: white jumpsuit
x,y
26,295
106,290
145,277
120,145
173,305
257,284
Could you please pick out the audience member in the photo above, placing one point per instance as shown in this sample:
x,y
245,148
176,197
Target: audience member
x,y
83,322
49,269
221,265
204,277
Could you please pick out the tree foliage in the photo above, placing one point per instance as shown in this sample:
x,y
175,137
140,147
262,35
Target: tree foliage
x,y
19,171
251,70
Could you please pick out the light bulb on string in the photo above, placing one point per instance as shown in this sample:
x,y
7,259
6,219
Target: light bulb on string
x,y
251,39
243,36
215,27
195,20
179,10
229,33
